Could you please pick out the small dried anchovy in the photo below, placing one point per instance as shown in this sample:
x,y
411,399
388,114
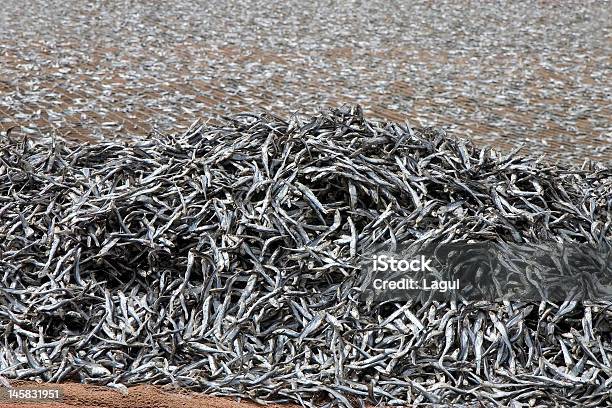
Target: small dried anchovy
x,y
226,259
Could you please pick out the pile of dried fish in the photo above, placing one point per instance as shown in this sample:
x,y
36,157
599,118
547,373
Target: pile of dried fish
x,y
226,259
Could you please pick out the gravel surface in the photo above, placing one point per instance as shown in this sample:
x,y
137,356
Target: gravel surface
x,y
508,73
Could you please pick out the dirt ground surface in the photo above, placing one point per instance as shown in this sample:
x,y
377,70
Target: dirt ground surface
x,y
142,396
508,73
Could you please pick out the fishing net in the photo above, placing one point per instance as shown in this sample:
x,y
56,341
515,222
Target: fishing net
x,y
228,259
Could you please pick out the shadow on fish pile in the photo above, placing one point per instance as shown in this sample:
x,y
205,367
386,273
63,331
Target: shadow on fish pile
x,y
226,260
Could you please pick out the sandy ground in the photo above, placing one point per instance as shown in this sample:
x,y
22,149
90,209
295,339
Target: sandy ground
x,y
509,73
142,396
